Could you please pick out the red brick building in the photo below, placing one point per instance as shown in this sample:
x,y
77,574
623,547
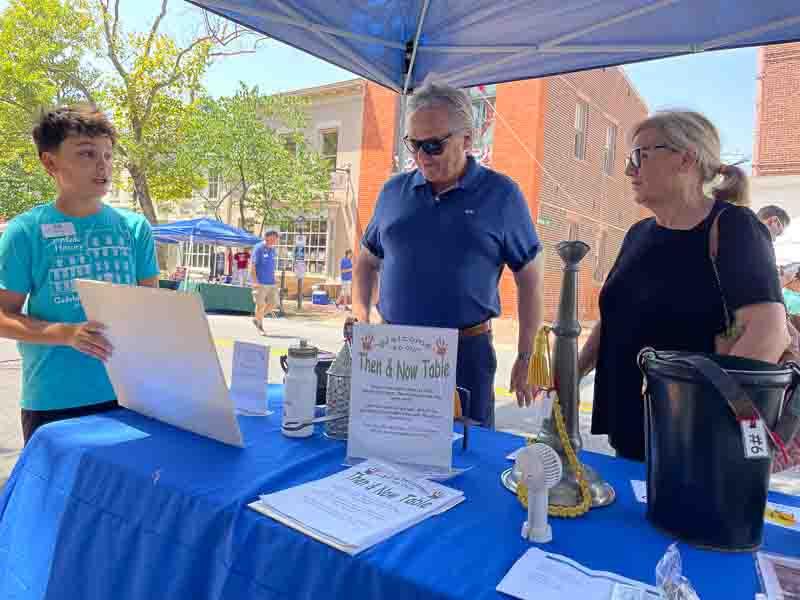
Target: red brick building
x,y
776,147
563,140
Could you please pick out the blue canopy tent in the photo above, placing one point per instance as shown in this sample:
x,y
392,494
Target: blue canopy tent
x,y
203,231
398,43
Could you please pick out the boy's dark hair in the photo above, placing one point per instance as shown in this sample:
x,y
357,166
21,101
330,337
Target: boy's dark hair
x,y
55,125
348,251
770,211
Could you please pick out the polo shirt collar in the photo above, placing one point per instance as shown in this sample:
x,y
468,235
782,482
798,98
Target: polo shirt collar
x,y
470,177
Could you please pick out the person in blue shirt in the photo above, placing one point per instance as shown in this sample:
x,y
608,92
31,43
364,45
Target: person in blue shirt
x,y
46,248
440,237
262,275
346,268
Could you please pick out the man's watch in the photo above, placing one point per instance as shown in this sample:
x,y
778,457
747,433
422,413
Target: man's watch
x,y
526,356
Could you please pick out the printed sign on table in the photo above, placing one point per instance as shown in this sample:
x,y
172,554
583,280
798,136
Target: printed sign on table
x,y
401,406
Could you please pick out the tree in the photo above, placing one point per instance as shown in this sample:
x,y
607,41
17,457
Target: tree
x,y
43,46
23,185
255,143
48,55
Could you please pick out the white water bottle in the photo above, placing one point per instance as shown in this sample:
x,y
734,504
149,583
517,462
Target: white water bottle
x,y
300,388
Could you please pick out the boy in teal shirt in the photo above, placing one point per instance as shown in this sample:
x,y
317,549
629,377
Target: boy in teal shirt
x,y
45,249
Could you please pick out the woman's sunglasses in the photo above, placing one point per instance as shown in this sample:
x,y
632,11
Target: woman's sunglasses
x,y
635,157
431,146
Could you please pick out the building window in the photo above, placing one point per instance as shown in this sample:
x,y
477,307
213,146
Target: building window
x,y
608,151
600,257
214,185
330,147
315,230
199,257
483,118
572,234
581,117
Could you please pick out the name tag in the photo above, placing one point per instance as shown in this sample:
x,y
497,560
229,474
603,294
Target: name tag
x,y
57,230
754,439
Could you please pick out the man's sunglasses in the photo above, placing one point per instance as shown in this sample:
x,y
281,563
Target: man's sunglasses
x,y
635,157
431,146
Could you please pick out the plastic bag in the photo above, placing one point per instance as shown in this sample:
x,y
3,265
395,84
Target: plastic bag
x,y
670,579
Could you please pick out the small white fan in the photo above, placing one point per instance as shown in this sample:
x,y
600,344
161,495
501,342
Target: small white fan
x,y
540,469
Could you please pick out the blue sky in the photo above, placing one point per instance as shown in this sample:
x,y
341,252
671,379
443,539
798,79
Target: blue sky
x,y
719,84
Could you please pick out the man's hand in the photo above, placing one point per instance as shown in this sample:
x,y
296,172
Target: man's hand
x,y
360,314
526,393
88,338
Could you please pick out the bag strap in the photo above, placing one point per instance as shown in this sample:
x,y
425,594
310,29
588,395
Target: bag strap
x,y
734,395
713,251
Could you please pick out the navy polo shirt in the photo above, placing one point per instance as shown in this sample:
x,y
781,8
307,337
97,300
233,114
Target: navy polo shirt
x,y
443,256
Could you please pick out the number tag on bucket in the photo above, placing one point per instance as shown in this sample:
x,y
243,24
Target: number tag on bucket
x,y
754,439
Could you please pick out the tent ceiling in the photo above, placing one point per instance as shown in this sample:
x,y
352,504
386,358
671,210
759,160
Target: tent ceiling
x,y
397,43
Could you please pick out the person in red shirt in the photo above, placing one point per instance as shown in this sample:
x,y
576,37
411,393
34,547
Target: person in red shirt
x,y
242,260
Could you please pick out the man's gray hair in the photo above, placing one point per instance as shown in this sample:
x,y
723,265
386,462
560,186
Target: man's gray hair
x,y
432,94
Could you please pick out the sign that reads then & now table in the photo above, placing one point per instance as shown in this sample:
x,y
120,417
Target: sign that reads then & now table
x,y
401,406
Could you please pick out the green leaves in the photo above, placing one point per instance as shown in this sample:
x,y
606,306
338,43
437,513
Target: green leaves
x,y
23,185
43,50
256,144
171,135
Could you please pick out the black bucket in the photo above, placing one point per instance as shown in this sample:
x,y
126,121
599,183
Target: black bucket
x,y
700,487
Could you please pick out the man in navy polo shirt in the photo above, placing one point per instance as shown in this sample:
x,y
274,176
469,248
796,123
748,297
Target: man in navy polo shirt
x,y
440,237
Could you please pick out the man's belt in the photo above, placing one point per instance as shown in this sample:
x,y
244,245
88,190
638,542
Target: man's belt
x,y
476,330
473,331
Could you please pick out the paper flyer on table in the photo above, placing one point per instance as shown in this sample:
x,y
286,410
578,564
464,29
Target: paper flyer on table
x,y
402,388
249,377
359,507
779,575
539,575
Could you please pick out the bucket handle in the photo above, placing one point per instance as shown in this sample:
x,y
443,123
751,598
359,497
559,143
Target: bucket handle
x,y
735,396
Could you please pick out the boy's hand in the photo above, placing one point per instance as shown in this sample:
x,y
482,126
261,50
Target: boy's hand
x,y
88,339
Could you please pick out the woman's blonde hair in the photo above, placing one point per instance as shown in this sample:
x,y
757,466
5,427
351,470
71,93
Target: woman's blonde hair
x,y
690,131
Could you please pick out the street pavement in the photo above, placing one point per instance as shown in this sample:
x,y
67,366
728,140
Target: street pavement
x,y
322,328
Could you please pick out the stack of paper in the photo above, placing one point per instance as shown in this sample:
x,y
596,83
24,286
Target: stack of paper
x,y
540,575
357,508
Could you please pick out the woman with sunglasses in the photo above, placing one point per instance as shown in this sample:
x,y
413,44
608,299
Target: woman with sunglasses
x,y
663,290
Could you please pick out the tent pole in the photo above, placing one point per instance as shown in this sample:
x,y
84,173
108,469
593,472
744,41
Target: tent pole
x,y
189,266
415,45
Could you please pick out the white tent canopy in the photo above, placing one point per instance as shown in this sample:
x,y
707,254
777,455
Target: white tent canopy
x,y
397,43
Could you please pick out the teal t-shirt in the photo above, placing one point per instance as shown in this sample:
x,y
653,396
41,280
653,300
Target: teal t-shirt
x,y
792,301
42,252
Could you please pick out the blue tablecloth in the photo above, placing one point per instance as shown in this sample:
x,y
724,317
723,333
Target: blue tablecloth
x,y
123,507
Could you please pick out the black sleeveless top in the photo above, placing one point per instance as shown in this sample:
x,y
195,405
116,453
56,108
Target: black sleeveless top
x,y
662,292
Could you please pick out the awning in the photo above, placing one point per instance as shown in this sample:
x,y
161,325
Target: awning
x,y
397,43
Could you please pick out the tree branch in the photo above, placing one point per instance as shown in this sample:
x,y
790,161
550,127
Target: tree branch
x,y
116,20
69,77
154,28
13,103
111,40
172,79
231,53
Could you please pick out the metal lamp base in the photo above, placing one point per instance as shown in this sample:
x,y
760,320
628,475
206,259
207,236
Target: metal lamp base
x,y
566,492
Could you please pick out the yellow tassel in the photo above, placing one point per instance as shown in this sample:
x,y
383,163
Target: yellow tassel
x,y
539,373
